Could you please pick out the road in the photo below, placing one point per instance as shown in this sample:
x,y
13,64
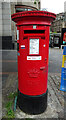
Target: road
x,y
55,60
9,60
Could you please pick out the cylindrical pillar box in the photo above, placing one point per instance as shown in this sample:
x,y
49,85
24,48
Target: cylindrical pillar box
x,y
33,44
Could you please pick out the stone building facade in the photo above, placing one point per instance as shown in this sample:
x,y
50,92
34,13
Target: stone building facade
x,y
59,22
7,26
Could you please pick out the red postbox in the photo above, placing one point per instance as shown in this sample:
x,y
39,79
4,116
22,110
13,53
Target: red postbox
x,y
33,50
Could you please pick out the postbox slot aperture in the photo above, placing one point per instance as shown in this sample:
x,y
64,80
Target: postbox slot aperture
x,y
34,31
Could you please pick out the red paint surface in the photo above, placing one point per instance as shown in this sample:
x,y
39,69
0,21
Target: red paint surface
x,y
33,74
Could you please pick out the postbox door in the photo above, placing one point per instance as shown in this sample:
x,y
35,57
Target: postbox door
x,y
33,65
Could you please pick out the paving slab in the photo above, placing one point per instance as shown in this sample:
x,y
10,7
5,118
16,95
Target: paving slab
x,y
55,106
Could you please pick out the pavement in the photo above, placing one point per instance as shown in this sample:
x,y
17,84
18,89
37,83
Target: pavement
x,y
55,104
55,108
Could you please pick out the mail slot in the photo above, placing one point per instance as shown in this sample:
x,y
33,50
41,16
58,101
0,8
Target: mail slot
x,y
33,40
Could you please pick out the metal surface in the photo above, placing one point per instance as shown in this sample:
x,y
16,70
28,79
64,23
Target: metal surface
x,y
32,74
63,71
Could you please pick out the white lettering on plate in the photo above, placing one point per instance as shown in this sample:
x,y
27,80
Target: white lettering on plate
x,y
34,57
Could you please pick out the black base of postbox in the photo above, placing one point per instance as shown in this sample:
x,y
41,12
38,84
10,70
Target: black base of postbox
x,y
32,104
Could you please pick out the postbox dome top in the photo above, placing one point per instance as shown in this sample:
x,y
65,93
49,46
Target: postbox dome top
x,y
33,17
